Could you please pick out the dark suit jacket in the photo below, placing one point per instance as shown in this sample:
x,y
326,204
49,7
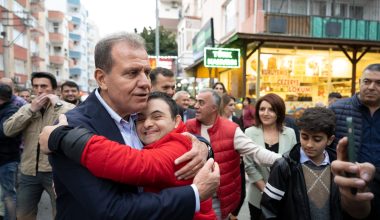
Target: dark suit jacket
x,y
80,195
188,114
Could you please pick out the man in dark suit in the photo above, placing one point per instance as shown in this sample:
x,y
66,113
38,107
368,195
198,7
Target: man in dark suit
x,y
122,69
182,98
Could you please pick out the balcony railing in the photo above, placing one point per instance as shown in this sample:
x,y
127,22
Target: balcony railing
x,y
321,27
56,38
56,16
74,72
57,59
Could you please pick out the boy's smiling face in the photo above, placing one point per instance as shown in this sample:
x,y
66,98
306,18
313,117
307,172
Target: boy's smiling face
x,y
314,143
155,121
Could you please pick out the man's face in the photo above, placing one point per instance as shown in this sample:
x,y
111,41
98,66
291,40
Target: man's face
x,y
25,95
164,84
205,108
126,86
370,88
155,121
42,85
70,94
314,143
183,100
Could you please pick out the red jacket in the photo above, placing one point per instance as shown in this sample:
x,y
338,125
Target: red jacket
x,y
222,135
153,167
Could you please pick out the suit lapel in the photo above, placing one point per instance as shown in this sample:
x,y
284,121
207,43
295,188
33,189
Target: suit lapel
x,y
101,121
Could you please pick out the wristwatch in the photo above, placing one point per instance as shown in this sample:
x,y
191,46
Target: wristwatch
x,y
58,104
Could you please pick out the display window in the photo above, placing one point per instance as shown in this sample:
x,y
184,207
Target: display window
x,y
302,77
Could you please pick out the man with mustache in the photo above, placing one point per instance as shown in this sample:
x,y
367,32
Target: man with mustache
x,y
364,107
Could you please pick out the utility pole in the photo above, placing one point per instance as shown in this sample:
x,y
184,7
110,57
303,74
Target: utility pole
x,y
157,36
7,22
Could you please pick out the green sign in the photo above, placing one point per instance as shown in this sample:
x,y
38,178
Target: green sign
x,y
221,57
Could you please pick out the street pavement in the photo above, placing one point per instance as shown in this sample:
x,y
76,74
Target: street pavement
x,y
45,213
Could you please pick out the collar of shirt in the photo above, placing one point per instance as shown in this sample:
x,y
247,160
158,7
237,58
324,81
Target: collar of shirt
x,y
304,158
127,128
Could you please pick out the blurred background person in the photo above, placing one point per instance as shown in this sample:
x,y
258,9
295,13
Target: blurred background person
x,y
219,88
269,132
162,80
182,98
248,113
9,155
333,97
227,109
25,94
16,100
70,92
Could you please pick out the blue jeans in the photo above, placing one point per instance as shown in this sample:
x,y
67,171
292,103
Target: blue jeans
x,y
29,193
8,173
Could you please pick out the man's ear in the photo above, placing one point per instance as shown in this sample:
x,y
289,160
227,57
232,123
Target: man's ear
x,y
100,77
178,120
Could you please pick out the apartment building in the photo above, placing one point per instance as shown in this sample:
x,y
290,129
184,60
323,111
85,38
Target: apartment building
x,y
46,35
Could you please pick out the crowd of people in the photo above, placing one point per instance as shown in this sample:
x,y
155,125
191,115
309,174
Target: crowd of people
x,y
137,149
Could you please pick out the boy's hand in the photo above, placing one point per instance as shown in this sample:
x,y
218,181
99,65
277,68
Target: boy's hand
x,y
196,158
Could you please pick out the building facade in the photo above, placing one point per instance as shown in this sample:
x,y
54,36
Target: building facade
x,y
301,50
46,35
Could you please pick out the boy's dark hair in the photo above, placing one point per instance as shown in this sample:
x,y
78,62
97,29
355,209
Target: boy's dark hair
x,y
335,95
318,119
47,75
164,97
5,92
159,70
70,84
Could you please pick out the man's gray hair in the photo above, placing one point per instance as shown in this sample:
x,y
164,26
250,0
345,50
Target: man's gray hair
x,y
103,57
215,96
179,93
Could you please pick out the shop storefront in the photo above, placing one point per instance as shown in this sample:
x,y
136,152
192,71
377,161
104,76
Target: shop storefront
x,y
303,71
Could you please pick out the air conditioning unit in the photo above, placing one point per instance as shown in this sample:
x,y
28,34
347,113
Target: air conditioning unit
x,y
277,25
333,29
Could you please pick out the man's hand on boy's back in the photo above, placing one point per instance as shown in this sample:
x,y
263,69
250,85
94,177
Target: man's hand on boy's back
x,y
357,205
196,158
207,179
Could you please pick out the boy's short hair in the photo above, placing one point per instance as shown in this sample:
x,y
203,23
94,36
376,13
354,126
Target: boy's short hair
x,y
318,119
168,100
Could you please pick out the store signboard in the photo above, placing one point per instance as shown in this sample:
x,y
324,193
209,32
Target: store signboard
x,y
221,57
204,38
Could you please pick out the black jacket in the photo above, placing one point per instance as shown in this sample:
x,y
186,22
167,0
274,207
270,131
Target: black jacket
x,y
9,146
287,176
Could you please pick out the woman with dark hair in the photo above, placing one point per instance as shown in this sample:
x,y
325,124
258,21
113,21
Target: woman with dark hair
x,y
227,109
270,132
219,88
248,113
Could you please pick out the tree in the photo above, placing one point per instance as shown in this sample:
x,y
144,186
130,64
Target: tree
x,y
168,43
